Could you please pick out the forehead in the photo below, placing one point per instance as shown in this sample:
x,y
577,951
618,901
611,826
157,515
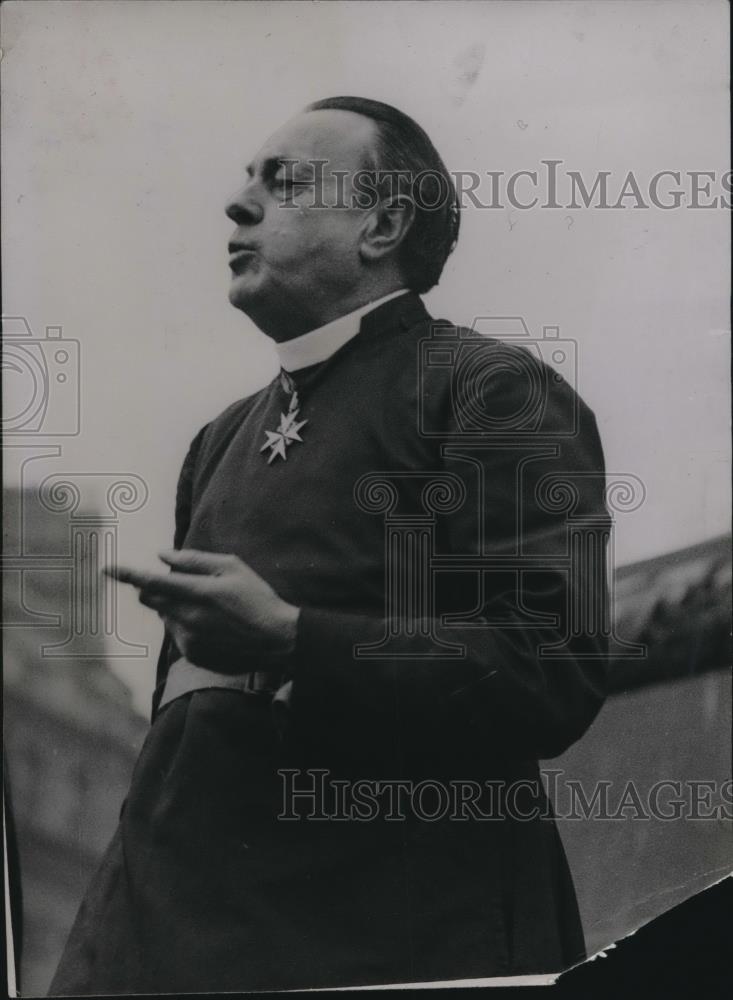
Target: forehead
x,y
342,137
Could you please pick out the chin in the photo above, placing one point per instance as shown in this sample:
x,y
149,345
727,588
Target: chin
x,y
242,292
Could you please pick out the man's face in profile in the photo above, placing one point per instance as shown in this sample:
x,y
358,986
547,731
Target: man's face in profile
x,y
289,257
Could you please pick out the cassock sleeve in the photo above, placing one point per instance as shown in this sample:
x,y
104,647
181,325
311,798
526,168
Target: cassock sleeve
x,y
531,673
184,497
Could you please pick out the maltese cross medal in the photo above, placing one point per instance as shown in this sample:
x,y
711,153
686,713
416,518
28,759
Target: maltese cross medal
x,y
289,428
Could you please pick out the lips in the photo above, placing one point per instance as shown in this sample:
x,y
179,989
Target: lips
x,y
234,246
240,255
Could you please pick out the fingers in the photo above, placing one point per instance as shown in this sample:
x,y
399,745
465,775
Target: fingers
x,y
186,562
173,587
126,574
181,621
197,562
155,601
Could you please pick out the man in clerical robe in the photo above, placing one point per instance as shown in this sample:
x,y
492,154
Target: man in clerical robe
x,y
386,592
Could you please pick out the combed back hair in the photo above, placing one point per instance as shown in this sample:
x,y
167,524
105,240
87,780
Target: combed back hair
x,y
405,147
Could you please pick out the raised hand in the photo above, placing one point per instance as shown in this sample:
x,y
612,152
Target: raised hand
x,y
221,614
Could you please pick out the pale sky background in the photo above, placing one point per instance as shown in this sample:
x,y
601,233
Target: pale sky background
x,y
126,125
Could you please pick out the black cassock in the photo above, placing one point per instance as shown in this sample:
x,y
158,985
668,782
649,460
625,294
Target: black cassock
x,y
424,446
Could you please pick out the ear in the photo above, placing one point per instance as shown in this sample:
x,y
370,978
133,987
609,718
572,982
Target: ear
x,y
386,227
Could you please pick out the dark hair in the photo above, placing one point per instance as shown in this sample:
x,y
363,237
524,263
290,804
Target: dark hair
x,y
403,146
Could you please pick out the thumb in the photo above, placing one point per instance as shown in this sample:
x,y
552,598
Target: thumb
x,y
194,561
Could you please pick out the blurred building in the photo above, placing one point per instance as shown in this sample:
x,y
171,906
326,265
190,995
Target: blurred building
x,y
678,605
71,735
667,720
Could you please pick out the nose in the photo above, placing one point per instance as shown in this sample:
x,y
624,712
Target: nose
x,y
244,209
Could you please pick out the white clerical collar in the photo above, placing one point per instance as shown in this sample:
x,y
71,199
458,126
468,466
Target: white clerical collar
x,y
317,345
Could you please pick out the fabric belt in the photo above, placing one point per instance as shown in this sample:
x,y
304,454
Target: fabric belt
x,y
184,677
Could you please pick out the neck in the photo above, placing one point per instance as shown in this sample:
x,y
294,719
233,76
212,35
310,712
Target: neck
x,y
292,322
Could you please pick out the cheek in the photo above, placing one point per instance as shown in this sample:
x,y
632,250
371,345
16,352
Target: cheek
x,y
312,238
337,238
291,234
